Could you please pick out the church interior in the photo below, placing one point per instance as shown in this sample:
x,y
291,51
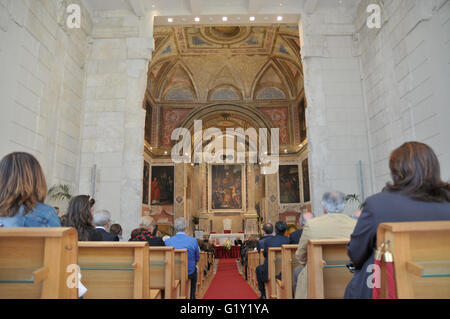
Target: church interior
x,y
227,77
224,149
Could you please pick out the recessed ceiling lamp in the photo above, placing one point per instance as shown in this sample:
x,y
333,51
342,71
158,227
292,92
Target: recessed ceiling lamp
x,y
279,18
170,20
252,18
224,19
165,152
285,151
197,19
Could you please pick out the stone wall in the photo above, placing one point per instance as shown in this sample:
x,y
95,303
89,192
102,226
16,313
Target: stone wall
x,y
113,126
42,84
337,133
406,78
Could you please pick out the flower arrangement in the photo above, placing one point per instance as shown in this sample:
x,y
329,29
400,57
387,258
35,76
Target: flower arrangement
x,y
227,245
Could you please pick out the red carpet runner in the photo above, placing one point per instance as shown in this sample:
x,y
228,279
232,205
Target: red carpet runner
x,y
228,283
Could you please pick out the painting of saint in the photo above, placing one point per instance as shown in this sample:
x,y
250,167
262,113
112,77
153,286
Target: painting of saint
x,y
162,185
226,187
289,184
145,183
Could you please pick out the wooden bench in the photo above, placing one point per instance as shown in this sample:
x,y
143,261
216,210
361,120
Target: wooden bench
x,y
181,272
288,264
162,272
328,275
201,277
34,262
252,263
114,270
421,254
274,268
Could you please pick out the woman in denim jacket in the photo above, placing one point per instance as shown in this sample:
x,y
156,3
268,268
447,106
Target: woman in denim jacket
x,y
23,190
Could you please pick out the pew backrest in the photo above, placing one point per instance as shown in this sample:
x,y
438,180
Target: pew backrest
x,y
34,262
162,270
288,264
274,268
181,272
328,275
114,270
421,255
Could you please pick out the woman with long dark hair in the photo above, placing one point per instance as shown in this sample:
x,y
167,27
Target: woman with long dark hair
x,y
417,193
23,190
80,216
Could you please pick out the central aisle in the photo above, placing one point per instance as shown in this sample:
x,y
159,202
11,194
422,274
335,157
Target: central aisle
x,y
228,283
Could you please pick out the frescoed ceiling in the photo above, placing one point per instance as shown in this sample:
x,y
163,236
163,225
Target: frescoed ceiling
x,y
196,66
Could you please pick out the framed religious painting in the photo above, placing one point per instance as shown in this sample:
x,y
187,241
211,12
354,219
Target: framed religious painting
x,y
162,185
227,188
145,183
289,184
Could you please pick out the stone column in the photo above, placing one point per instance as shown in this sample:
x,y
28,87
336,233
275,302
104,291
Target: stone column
x,y
272,198
251,189
203,185
337,134
114,118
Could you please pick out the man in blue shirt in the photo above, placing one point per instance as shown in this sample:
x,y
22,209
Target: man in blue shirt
x,y
183,241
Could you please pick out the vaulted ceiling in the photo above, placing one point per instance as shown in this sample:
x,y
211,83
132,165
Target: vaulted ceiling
x,y
225,63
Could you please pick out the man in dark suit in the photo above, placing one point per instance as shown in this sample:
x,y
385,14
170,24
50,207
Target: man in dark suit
x,y
294,237
102,220
276,241
268,233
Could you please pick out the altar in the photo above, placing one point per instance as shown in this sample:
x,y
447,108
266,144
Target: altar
x,y
223,237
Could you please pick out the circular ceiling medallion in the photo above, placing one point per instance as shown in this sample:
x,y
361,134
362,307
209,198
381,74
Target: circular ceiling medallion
x,y
225,34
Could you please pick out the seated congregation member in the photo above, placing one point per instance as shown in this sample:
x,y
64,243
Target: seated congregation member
x,y
147,232
116,230
80,216
23,190
268,233
102,221
416,194
183,241
278,240
294,237
333,224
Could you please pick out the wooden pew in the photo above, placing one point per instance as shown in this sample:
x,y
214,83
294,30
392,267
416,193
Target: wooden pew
x,y
274,263
421,254
328,275
181,272
288,264
114,270
201,277
34,262
252,263
162,272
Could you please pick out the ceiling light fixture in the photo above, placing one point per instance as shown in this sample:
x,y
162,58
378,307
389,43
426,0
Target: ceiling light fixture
x,y
252,18
197,19
224,19
170,20
279,18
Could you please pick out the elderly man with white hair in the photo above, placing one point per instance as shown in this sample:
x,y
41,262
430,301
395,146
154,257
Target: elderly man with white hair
x,y
102,220
183,241
333,224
